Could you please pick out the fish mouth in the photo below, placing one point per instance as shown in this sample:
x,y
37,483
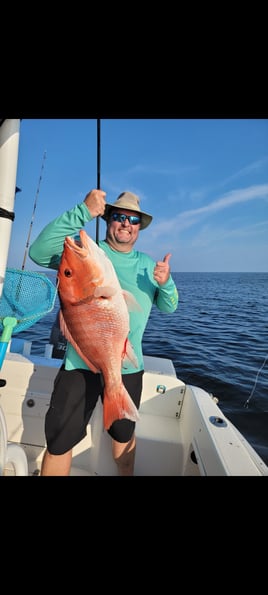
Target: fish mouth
x,y
77,245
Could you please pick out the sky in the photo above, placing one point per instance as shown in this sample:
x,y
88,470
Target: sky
x,y
204,181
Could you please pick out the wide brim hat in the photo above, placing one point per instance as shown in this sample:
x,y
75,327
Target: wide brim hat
x,y
130,201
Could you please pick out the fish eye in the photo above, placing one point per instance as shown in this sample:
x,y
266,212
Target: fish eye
x,y
67,273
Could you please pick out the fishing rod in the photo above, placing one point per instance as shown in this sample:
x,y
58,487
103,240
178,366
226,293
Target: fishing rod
x,y
98,172
35,203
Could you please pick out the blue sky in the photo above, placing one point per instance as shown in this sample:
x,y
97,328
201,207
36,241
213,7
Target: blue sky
x,y
205,181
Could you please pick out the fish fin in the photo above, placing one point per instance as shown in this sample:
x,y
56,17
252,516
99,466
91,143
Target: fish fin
x,y
65,331
105,291
118,406
63,325
132,304
129,355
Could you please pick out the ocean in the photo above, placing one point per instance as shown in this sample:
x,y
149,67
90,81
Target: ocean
x,y
217,339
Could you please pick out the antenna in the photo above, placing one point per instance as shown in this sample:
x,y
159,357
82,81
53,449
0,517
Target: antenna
x,y
35,203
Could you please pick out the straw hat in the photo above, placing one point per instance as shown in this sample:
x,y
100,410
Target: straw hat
x,y
130,201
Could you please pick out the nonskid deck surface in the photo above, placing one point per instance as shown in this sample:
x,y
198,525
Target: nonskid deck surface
x,y
34,470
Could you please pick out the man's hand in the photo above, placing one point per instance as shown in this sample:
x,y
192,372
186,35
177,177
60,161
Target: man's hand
x,y
162,270
95,201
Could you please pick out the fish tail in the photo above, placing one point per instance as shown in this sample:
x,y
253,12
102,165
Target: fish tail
x,y
118,406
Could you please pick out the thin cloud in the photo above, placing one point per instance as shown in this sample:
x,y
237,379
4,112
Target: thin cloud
x,y
210,235
249,169
190,217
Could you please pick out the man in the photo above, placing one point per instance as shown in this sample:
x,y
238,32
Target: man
x,y
76,388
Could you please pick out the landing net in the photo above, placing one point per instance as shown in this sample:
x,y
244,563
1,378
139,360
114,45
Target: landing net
x,y
26,296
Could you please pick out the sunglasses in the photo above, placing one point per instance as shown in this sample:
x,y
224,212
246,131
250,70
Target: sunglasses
x,y
121,217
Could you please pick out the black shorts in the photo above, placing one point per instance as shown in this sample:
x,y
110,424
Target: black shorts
x,y
74,397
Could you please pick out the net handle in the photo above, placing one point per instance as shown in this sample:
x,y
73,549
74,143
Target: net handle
x,y
8,324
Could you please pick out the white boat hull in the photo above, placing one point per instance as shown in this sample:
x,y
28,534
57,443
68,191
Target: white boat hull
x,y
181,432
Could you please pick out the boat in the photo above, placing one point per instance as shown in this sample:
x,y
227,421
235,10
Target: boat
x,y
181,432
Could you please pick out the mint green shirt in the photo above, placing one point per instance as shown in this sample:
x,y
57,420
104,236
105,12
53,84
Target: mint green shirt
x,y
134,270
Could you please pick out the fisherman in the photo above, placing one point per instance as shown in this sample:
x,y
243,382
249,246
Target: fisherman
x,y
76,387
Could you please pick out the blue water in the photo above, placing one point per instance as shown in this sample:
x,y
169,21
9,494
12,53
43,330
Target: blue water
x,y
217,339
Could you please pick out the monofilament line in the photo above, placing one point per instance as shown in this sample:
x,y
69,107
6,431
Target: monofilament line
x,y
34,207
256,380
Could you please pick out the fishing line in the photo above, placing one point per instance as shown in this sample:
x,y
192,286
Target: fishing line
x,y
34,207
255,383
98,174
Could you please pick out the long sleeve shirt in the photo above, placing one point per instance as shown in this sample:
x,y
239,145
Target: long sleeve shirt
x,y
134,271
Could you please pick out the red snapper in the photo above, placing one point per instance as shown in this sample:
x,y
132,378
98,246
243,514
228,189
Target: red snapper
x,y
94,318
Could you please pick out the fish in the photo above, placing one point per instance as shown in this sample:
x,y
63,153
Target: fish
x,y
94,318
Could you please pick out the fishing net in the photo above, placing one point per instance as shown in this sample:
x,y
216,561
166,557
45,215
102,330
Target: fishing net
x,y
27,297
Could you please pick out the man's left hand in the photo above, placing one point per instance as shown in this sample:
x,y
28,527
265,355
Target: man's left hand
x,y
162,270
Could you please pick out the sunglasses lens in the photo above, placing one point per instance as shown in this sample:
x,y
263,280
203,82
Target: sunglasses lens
x,y
121,217
134,219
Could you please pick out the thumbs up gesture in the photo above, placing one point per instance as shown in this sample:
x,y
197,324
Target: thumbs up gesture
x,y
162,270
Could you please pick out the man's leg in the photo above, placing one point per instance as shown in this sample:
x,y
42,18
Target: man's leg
x,y
124,456
56,464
